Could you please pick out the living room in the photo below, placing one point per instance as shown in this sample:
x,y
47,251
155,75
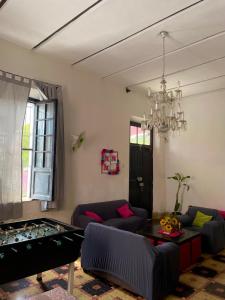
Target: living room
x,y
117,45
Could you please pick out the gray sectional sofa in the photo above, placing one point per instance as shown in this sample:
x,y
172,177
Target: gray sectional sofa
x,y
107,210
130,261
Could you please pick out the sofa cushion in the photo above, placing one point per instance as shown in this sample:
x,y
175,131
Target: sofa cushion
x,y
192,210
124,211
193,228
93,216
222,213
130,224
201,218
185,220
106,210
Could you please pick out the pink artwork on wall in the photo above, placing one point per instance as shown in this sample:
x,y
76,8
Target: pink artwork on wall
x,y
110,162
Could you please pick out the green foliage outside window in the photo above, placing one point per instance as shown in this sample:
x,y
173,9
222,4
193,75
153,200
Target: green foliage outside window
x,y
26,145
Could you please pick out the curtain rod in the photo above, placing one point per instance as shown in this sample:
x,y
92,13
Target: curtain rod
x,y
23,78
15,75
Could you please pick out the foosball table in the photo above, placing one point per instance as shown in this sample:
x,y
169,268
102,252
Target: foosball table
x,y
34,246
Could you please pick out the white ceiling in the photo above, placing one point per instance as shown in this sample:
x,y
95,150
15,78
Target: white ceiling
x,y
129,30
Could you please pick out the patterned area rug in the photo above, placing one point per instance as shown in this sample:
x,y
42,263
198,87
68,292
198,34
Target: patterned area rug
x,y
204,281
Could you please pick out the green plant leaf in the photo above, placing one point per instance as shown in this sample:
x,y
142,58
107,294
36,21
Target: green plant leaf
x,y
177,205
172,177
182,181
179,176
185,177
79,141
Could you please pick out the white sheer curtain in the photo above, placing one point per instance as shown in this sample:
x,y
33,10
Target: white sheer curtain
x,y
14,93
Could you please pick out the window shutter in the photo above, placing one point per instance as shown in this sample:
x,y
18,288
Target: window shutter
x,y
44,151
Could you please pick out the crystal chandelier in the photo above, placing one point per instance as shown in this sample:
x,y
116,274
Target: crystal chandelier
x,y
165,105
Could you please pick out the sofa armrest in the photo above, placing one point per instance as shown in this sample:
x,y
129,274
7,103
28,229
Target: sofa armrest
x,y
213,225
171,250
166,273
215,233
185,220
82,221
141,212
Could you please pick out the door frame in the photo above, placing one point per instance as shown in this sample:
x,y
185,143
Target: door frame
x,y
151,152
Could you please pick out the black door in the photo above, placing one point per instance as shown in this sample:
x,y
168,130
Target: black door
x,y
141,169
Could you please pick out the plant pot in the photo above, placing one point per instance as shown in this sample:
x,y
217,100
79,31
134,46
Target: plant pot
x,y
176,213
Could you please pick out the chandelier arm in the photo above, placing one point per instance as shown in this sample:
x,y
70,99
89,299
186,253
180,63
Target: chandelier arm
x,y
164,58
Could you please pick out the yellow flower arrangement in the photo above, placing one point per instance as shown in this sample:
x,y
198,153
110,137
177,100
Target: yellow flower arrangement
x,y
162,222
170,223
168,228
174,221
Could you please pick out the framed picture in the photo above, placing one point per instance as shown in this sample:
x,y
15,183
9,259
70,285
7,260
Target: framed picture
x,y
110,162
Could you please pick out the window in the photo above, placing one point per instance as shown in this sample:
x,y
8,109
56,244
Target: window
x,y
38,149
139,136
27,149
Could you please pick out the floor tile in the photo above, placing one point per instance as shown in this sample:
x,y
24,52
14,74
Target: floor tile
x,y
213,264
182,290
220,278
193,280
216,289
96,287
204,271
204,296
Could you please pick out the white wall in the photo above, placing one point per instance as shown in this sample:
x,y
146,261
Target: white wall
x,y
27,63
159,176
103,111
200,152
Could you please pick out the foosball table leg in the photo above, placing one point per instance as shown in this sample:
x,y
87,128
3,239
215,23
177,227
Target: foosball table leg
x,y
70,278
39,277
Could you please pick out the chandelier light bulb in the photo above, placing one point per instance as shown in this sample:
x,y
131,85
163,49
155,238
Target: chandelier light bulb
x,y
151,112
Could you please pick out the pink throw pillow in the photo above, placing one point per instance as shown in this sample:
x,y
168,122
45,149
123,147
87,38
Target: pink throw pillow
x,y
125,211
222,213
93,216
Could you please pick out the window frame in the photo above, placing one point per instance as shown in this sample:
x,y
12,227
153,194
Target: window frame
x,y
33,149
27,198
138,125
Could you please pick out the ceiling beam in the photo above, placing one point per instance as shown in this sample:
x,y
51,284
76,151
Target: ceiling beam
x,y
128,90
136,33
2,2
66,24
176,72
150,60
200,81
